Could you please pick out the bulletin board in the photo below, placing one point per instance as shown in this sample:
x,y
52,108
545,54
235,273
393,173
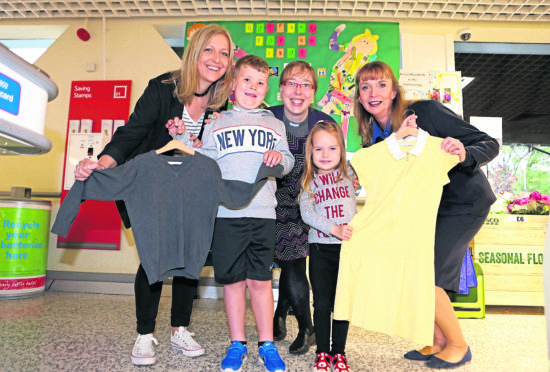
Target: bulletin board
x,y
335,50
445,87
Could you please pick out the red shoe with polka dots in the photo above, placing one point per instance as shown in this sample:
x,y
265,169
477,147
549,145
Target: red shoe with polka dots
x,y
322,363
340,363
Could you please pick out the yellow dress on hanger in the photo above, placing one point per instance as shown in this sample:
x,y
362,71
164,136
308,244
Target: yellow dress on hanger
x,y
386,275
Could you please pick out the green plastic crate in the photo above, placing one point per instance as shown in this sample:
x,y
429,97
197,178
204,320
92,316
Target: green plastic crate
x,y
472,305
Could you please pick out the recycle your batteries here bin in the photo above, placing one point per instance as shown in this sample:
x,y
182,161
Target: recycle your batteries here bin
x,y
24,234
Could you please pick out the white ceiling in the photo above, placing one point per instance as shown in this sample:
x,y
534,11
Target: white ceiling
x,y
460,10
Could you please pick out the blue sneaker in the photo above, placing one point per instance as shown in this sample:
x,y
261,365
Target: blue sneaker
x,y
235,357
269,356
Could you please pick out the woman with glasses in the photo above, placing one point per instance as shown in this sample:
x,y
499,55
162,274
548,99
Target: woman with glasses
x,y
297,85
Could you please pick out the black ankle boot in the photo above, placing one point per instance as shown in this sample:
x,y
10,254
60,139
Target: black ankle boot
x,y
305,338
279,328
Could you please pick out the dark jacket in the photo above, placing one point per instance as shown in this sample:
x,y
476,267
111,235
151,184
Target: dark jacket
x,y
469,191
313,115
146,127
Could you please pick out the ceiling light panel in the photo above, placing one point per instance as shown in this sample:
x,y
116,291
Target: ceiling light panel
x,y
470,10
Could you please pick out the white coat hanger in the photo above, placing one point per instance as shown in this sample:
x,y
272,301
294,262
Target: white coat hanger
x,y
406,132
176,145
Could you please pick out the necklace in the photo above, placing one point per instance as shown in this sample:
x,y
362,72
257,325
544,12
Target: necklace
x,y
203,93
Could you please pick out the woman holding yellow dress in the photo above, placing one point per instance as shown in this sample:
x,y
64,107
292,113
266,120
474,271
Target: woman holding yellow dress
x,y
465,200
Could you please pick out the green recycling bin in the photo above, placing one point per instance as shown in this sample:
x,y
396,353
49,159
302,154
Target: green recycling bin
x,y
24,235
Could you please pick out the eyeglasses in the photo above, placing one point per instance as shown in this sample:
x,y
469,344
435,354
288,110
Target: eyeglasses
x,y
294,85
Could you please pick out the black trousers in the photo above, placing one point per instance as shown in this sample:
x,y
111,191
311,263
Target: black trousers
x,y
148,299
323,273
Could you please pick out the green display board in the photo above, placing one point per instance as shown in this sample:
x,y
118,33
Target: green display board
x,y
335,49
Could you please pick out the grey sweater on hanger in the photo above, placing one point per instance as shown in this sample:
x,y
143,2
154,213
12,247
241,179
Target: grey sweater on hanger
x,y
172,203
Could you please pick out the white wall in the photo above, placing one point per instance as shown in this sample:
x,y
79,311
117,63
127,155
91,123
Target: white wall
x,y
134,50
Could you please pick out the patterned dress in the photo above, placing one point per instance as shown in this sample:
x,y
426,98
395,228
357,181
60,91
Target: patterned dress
x,y
291,239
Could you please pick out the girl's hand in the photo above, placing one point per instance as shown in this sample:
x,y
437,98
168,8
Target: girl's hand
x,y
342,232
272,158
454,147
356,184
175,126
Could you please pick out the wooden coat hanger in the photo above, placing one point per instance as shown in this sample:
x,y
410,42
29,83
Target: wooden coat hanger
x,y
406,132
176,145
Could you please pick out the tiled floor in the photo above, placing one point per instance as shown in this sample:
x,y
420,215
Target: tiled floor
x,y
95,332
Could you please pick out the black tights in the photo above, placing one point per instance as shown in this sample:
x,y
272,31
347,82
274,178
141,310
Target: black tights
x,y
148,298
294,291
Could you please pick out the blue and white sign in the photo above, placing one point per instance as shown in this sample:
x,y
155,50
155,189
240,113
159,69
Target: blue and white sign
x,y
10,94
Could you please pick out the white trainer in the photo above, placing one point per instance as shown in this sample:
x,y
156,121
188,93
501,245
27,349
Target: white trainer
x,y
143,352
183,340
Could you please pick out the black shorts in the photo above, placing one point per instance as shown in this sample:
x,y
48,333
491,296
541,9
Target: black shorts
x,y
243,248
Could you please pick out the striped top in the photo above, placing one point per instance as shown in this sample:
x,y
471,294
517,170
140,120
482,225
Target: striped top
x,y
191,125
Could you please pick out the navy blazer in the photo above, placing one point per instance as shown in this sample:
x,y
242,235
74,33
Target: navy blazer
x,y
313,115
469,191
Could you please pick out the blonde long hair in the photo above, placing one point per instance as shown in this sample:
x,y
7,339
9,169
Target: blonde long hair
x,y
187,79
377,70
309,168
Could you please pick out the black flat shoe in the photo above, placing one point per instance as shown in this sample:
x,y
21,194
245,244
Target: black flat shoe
x,y
279,328
436,362
417,355
303,341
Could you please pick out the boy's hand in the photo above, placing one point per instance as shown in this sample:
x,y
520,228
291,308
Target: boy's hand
x,y
211,117
342,232
196,142
175,126
272,158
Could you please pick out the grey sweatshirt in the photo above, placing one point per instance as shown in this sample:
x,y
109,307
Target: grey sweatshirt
x,y
172,203
333,203
237,140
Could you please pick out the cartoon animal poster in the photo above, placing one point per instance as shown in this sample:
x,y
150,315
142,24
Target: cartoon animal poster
x,y
334,49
